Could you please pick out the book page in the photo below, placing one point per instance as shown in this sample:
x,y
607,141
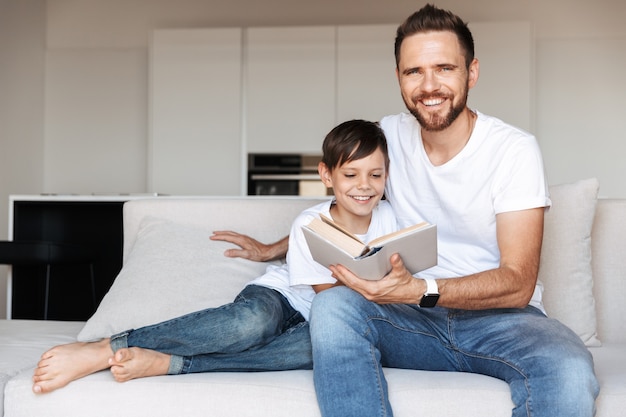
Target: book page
x,y
331,222
335,235
379,241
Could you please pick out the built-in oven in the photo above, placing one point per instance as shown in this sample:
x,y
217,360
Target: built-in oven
x,y
284,174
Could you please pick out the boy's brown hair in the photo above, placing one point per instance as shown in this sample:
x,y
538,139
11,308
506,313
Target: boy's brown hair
x,y
351,141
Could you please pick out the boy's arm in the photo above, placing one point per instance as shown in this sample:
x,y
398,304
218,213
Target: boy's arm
x,y
251,248
321,287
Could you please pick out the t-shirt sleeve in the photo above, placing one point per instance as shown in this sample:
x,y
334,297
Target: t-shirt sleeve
x,y
303,270
520,181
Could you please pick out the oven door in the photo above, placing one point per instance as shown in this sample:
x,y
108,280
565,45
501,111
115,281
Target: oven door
x,y
286,184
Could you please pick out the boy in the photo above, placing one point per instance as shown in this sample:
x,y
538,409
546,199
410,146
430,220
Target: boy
x,y
271,310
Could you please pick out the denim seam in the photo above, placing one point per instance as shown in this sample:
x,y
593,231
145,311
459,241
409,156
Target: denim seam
x,y
376,365
383,411
405,329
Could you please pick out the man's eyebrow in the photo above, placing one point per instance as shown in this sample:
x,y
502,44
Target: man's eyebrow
x,y
410,69
438,66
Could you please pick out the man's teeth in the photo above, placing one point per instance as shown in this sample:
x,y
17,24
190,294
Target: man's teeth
x,y
433,102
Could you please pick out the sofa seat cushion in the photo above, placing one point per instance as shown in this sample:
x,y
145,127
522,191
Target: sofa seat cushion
x,y
276,394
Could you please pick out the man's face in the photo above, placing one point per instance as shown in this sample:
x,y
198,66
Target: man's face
x,y
434,80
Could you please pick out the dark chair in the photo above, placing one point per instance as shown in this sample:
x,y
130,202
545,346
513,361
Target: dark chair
x,y
46,254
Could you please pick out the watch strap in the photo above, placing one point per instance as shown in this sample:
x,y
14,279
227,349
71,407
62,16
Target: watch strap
x,y
431,296
431,286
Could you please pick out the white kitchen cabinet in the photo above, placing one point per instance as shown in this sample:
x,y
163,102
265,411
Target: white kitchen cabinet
x,y
302,81
290,88
367,87
195,112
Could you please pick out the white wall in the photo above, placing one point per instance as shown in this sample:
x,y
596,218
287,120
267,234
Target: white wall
x,y
580,53
581,110
74,77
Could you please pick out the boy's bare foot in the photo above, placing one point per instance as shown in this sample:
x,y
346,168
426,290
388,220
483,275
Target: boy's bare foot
x,y
65,363
134,362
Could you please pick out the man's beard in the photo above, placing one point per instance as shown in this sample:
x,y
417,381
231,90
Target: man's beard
x,y
436,122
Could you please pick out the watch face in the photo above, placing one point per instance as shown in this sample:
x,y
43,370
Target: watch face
x,y
429,300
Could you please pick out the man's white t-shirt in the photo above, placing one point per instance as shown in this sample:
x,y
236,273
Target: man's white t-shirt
x,y
499,170
295,278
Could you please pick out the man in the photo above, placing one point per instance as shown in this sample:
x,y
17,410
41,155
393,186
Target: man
x,y
479,310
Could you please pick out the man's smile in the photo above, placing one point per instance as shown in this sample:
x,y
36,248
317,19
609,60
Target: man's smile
x,y
433,101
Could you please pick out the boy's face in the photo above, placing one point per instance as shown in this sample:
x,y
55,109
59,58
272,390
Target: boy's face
x,y
358,187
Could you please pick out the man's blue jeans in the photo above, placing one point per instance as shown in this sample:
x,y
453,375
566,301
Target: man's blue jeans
x,y
548,368
258,331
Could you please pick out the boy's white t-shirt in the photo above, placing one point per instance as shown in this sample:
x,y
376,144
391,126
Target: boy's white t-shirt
x,y
499,170
295,278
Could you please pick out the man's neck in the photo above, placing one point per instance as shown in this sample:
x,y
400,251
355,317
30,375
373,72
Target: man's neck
x,y
444,145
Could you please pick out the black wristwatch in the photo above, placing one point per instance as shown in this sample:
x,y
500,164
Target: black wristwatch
x,y
431,296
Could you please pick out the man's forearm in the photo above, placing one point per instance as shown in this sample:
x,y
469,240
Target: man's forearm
x,y
498,288
277,250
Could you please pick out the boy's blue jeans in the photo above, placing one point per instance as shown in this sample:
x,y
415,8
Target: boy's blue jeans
x,y
548,368
258,331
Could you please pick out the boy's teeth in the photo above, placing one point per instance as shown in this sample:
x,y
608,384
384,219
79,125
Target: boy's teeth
x,y
358,197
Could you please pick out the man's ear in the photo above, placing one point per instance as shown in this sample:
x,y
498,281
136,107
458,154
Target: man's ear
x,y
474,72
324,172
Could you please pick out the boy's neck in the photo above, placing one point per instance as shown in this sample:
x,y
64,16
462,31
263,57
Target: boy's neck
x,y
355,224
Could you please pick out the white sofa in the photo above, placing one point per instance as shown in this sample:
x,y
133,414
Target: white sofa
x,y
583,270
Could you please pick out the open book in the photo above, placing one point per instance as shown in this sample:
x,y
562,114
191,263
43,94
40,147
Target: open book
x,y
332,244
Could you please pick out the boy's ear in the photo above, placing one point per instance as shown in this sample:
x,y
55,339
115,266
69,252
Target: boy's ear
x,y
324,172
